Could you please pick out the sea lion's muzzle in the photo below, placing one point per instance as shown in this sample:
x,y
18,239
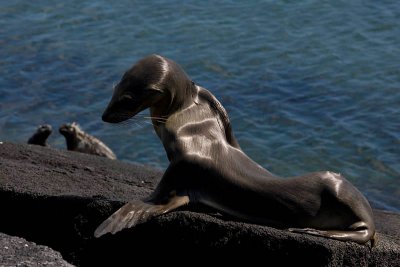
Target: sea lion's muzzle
x,y
114,117
107,117
127,103
119,112
120,108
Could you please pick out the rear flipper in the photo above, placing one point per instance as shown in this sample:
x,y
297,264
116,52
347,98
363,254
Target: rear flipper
x,y
137,212
358,233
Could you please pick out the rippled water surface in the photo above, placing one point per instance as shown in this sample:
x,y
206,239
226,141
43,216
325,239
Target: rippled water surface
x,y
309,85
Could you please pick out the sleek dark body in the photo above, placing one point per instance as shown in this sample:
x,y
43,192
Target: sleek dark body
x,y
41,135
208,166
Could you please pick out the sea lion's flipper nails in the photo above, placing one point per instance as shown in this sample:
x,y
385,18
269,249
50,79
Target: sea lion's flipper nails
x,y
360,236
137,212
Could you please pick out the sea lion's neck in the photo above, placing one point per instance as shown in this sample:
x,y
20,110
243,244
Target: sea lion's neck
x,y
179,113
174,101
201,110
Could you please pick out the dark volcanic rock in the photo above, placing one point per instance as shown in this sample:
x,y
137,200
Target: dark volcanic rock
x,y
16,251
57,198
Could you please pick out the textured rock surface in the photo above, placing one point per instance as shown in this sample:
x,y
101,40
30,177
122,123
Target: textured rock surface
x,y
57,198
16,251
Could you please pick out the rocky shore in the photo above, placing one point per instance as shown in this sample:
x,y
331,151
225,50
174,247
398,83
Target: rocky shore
x,y
52,200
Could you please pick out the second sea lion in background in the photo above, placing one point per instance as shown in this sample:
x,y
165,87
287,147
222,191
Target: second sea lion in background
x,y
78,140
41,135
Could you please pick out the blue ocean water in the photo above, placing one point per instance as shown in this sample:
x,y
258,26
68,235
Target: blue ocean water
x,y
309,85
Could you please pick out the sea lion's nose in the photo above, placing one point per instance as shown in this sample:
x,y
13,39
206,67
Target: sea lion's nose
x,y
106,117
110,115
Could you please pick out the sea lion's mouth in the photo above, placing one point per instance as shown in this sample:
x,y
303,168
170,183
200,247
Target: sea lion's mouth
x,y
110,118
115,117
119,112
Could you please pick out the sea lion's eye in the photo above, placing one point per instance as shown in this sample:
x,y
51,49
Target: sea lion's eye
x,y
156,89
125,98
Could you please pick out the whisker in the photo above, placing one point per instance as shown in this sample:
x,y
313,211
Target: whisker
x,y
139,123
140,120
157,118
129,123
147,122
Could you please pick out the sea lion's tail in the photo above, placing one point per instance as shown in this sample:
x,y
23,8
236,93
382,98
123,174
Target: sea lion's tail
x,y
137,212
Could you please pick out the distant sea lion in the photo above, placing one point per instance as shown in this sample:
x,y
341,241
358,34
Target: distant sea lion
x,y
41,135
78,140
207,165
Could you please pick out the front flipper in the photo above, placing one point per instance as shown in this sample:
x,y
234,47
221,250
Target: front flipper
x,y
136,212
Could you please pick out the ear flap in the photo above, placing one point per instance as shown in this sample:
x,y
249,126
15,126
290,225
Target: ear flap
x,y
195,95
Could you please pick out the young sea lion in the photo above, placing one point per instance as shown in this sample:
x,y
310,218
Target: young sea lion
x,y
208,166
78,140
41,135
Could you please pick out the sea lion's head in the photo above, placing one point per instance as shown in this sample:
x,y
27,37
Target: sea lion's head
x,y
154,82
41,135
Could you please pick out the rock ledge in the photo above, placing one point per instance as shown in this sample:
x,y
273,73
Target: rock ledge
x,y
57,198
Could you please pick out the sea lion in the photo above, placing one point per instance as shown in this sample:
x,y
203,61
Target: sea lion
x,y
41,135
207,165
78,140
